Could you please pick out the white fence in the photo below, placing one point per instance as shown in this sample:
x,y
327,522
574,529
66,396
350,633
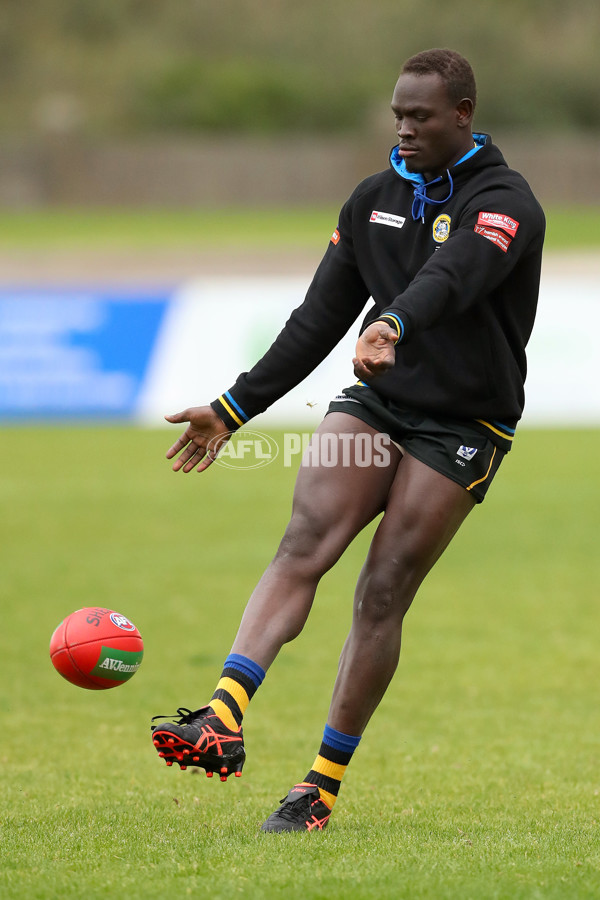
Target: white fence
x,y
103,354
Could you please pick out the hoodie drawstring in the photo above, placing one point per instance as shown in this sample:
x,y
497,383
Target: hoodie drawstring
x,y
421,198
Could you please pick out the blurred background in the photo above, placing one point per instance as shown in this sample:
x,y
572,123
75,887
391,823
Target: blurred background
x,y
148,102
170,175
147,146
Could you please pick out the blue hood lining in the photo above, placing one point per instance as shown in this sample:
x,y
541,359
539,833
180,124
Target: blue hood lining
x,y
415,178
399,164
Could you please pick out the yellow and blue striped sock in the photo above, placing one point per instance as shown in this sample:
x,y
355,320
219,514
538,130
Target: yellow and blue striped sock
x,y
239,681
330,765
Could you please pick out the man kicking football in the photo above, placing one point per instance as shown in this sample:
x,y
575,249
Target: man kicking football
x,y
447,242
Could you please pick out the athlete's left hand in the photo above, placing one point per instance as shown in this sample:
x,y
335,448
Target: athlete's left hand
x,y
375,351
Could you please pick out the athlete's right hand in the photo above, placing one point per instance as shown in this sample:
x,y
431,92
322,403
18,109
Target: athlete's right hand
x,y
375,351
201,441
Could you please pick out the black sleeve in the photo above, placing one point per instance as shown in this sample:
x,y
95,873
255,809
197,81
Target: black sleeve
x,y
334,300
495,231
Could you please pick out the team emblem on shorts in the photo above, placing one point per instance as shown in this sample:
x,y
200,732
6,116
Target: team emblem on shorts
x,y
467,452
441,228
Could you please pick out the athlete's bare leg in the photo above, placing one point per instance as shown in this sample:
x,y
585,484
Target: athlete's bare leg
x,y
331,506
423,512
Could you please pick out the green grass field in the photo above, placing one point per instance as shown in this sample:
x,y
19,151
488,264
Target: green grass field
x,y
478,777
568,229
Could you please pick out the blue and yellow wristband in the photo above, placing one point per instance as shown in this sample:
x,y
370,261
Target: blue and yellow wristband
x,y
396,322
229,411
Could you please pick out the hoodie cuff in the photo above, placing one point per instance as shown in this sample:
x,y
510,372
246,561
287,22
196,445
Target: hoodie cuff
x,y
229,411
396,322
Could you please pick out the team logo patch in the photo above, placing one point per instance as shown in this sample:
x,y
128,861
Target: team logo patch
x,y
335,237
496,237
467,452
441,228
383,218
497,220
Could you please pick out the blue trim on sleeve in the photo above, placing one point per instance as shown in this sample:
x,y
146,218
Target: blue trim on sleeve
x,y
236,406
399,321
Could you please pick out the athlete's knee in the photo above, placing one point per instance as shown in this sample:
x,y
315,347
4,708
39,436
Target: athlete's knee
x,y
299,539
307,542
384,594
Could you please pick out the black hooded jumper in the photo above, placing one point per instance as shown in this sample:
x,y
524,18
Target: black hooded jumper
x,y
453,266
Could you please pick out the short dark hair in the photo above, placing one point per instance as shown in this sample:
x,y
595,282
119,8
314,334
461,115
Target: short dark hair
x,y
454,69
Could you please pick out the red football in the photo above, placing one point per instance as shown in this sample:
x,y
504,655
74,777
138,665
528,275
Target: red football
x,y
96,648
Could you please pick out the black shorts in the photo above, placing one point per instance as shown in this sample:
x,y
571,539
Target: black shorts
x,y
453,447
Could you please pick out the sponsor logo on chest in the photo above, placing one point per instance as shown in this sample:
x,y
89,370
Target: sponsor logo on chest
x,y
384,218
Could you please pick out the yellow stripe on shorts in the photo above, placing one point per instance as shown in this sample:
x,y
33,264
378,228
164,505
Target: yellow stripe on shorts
x,y
479,480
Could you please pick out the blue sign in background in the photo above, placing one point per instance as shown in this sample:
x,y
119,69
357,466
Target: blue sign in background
x,y
75,353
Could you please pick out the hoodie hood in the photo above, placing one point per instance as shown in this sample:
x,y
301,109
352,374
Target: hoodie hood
x,y
421,186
